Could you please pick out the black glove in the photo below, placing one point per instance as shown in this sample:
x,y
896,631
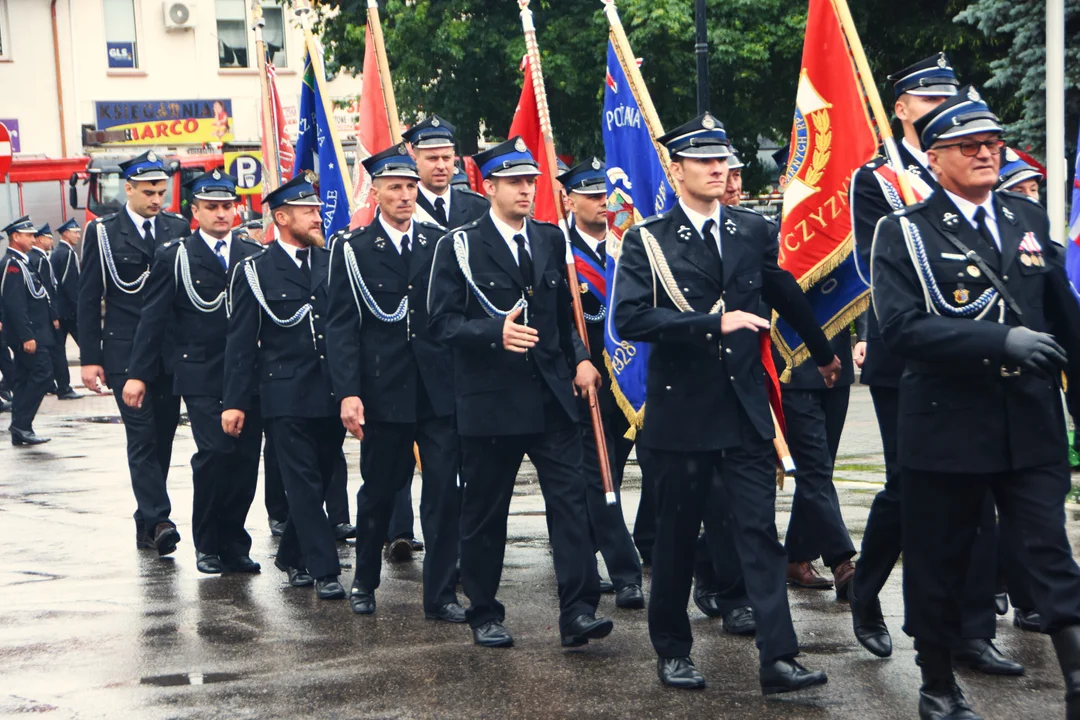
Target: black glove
x,y
1035,351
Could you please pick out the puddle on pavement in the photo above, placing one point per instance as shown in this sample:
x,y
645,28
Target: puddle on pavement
x,y
101,419
189,679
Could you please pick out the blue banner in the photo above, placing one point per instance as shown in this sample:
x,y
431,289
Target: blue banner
x,y
1072,251
637,189
316,151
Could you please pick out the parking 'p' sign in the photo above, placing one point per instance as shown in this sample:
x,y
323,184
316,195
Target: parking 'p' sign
x,y
246,167
5,149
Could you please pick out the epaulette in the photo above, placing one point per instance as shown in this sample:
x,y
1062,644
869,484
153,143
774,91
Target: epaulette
x,y
910,208
744,210
655,218
544,223
876,162
174,216
250,241
470,191
470,225
433,226
1012,195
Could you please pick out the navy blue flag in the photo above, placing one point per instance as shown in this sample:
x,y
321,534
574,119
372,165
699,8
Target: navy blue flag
x,y
318,150
637,188
1072,251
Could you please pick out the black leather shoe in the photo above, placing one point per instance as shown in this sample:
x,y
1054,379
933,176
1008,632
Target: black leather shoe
x,y
67,394
344,531
5,406
207,563
450,612
871,630
399,550
361,601
298,577
242,564
492,634
584,628
740,621
417,546
708,603
983,656
143,539
784,676
679,673
1001,603
277,527
165,538
944,701
630,597
25,437
328,588
606,587
1029,620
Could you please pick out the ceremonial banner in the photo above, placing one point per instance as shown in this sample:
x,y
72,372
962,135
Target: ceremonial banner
x,y
373,134
832,136
318,148
527,124
1072,251
285,154
637,188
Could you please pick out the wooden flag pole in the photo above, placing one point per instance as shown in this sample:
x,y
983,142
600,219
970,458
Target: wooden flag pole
x,y
271,163
862,67
384,72
533,50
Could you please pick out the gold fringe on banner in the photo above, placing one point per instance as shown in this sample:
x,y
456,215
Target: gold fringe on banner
x,y
636,418
794,358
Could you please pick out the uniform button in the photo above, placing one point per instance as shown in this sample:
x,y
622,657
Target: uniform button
x,y
320,337
410,287
727,350
322,357
316,317
198,281
492,283
270,375
708,336
933,404
312,297
986,361
686,289
731,378
1005,278
185,354
414,334
667,387
282,294
492,346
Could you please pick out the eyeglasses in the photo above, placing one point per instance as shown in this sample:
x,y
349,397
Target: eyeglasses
x,y
971,148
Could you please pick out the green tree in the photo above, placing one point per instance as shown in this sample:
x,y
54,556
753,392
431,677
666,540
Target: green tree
x,y
1020,71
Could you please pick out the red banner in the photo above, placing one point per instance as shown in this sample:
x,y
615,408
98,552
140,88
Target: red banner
x,y
527,124
373,135
831,138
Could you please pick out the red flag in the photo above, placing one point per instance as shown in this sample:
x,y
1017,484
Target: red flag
x,y
832,137
527,124
373,136
285,154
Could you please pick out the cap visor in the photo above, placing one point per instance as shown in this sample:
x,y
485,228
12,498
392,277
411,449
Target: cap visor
x,y
590,190
972,128
705,153
312,200
398,174
215,195
517,171
432,143
1022,176
151,176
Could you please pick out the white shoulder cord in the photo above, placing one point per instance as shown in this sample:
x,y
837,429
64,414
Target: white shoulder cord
x,y
461,251
131,288
182,275
356,282
256,290
36,293
661,269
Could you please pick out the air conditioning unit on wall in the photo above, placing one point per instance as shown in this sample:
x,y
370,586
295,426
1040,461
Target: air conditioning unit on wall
x,y
179,15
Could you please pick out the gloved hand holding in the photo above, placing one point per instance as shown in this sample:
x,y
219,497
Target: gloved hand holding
x,y
1034,351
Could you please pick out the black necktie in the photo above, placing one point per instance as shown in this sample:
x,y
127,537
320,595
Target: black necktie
x,y
148,236
984,229
601,250
302,256
710,241
524,261
440,212
406,251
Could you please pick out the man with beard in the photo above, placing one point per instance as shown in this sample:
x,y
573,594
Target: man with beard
x,y
117,252
276,350
185,299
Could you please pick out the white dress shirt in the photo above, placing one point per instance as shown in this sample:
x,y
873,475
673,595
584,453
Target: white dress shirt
x,y
508,234
139,220
431,198
396,235
698,220
968,208
292,250
212,243
919,155
593,243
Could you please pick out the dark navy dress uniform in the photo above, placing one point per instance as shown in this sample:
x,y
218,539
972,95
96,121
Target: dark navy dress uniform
x,y
708,410
382,351
980,414
185,299
874,193
510,404
284,368
465,206
27,316
40,261
65,267
107,341
609,532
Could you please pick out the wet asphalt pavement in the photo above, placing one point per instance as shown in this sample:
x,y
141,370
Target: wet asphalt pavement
x,y
91,627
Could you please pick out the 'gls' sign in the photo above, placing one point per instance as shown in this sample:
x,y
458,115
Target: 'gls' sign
x,y
121,54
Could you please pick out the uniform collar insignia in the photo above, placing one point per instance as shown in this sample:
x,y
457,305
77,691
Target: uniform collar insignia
x,y
380,244
950,220
684,233
421,239
1007,213
730,226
